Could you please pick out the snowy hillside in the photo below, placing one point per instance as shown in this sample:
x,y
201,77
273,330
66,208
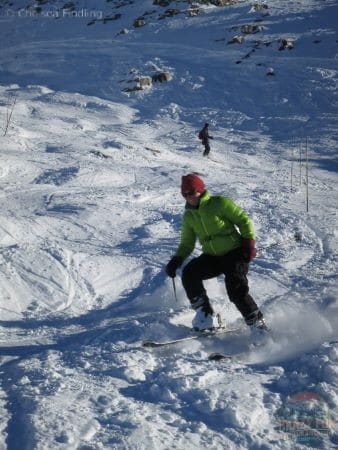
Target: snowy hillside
x,y
90,170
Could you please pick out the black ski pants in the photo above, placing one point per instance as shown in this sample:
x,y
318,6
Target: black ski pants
x,y
206,144
235,270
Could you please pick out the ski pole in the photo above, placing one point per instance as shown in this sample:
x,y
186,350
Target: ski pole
x,y
298,236
174,287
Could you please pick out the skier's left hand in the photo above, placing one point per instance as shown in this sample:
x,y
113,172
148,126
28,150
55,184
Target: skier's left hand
x,y
248,249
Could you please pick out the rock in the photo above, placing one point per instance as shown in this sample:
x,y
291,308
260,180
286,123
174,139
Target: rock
x,y
163,3
139,84
223,2
250,29
144,82
192,12
170,13
140,22
123,31
111,18
162,77
285,43
69,6
259,7
236,40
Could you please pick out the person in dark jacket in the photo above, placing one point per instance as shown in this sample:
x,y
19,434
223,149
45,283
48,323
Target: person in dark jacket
x,y
204,136
227,237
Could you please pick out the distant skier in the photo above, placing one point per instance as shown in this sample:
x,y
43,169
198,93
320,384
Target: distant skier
x,y
227,237
204,136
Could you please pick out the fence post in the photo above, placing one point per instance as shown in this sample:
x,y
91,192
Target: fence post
x,y
9,113
307,175
300,164
292,161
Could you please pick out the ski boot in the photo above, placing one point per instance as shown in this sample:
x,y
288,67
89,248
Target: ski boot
x,y
256,322
205,318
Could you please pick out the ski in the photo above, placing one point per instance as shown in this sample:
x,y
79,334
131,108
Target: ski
x,y
253,345
236,357
198,335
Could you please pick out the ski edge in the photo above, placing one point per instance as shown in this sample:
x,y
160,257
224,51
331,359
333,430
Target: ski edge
x,y
202,334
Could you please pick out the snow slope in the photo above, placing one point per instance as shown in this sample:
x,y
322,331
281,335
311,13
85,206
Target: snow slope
x,y
91,211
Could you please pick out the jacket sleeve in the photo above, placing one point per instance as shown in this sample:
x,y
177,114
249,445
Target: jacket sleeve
x,y
188,239
235,215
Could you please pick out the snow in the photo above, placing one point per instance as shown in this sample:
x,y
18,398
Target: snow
x,y
91,212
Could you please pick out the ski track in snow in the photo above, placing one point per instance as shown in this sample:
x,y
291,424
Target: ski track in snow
x,y
91,211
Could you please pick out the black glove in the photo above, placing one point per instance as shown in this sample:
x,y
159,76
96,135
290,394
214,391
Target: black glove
x,y
173,265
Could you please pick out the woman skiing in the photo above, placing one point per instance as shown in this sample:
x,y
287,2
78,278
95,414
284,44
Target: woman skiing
x,y
227,237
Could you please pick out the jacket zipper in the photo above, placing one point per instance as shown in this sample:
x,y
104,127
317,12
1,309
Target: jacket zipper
x,y
206,232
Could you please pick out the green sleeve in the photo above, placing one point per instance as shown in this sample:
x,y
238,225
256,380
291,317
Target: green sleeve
x,y
188,239
236,215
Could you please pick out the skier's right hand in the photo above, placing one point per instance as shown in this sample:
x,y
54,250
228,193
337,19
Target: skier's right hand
x,y
248,249
172,266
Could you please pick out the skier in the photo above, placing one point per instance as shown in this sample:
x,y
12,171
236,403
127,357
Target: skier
x,y
204,136
227,237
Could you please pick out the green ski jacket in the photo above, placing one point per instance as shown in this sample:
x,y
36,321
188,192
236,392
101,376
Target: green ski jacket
x,y
217,223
